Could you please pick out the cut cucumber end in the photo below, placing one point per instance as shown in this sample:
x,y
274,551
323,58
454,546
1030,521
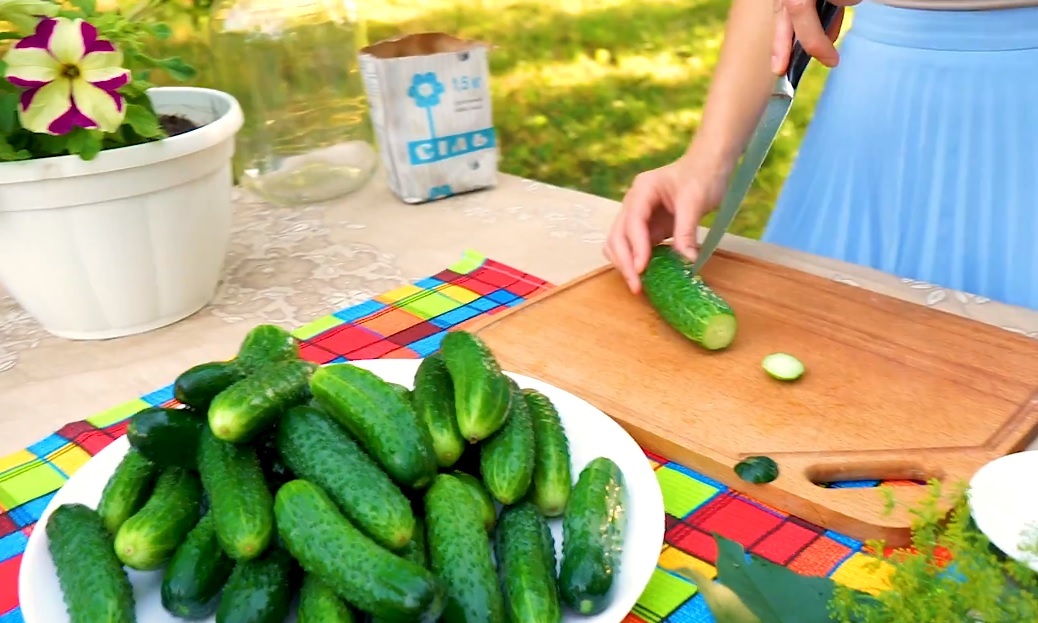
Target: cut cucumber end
x,y
783,367
719,332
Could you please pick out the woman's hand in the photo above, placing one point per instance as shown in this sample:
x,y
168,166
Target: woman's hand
x,y
800,18
664,202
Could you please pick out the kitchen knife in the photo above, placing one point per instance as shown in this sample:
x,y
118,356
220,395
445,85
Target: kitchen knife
x,y
760,142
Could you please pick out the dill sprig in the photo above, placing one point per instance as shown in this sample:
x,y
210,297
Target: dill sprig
x,y
951,574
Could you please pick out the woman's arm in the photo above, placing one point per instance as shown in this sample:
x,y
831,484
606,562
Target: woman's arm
x,y
740,87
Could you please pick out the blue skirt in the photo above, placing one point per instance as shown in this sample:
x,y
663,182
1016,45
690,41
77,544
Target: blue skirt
x,y
922,157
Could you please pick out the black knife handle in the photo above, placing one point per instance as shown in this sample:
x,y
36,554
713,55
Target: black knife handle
x,y
799,59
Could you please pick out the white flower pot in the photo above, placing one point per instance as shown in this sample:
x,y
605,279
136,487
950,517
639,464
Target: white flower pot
x,y
128,242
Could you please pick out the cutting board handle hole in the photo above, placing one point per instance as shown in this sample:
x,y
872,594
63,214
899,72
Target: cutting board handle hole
x,y
864,474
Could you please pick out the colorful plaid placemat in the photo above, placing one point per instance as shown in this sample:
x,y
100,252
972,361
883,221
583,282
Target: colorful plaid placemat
x,y
410,322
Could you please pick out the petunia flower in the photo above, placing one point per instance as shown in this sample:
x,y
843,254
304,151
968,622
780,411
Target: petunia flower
x,y
25,14
69,76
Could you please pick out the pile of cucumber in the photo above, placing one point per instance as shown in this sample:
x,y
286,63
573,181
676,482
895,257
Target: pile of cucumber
x,y
370,502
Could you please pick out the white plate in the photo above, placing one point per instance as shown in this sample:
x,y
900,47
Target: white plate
x,y
1007,517
591,434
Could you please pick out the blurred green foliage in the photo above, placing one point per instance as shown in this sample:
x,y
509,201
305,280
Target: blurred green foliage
x,y
587,93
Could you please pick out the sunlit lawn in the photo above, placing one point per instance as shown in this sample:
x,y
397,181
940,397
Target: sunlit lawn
x,y
588,93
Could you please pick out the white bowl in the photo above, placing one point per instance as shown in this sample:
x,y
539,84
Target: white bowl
x,y
591,434
1007,515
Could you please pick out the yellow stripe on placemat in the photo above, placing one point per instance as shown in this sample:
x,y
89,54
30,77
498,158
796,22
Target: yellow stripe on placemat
x,y
673,559
69,458
470,261
864,573
15,459
117,414
316,327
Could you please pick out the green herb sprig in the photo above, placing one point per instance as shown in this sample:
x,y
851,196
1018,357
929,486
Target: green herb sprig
x,y
951,574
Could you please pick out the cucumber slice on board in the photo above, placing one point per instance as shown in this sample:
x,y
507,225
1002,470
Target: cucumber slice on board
x,y
783,367
759,470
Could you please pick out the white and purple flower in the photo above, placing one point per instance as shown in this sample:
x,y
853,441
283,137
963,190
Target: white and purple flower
x,y
70,78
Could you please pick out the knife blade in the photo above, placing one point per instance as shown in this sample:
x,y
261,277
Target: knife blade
x,y
775,113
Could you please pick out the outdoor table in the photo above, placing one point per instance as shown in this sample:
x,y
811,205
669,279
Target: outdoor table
x,y
295,266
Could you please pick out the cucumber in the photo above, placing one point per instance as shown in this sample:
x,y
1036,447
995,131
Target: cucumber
x,y
244,410
148,539
195,576
552,472
526,564
274,469
93,583
415,551
166,437
459,550
758,470
402,391
198,385
507,459
783,367
239,499
265,344
259,590
479,493
481,389
378,418
357,568
685,302
127,489
433,399
592,537
320,604
317,449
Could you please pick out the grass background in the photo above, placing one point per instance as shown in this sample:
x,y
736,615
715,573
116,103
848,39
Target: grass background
x,y
586,93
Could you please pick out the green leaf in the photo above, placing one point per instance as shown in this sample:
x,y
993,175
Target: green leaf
x,y
91,146
143,121
724,604
8,112
161,31
136,88
85,143
87,6
9,153
49,144
774,594
24,13
177,68
6,36
145,61
76,140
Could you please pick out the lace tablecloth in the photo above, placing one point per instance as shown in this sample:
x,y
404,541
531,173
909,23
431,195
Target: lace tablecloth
x,y
289,265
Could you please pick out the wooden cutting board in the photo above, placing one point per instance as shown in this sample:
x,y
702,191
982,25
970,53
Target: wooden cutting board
x,y
893,390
